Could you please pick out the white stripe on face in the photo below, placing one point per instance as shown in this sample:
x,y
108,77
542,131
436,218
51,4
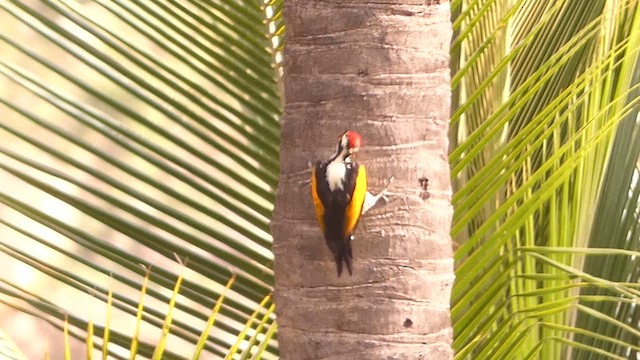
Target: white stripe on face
x,y
345,141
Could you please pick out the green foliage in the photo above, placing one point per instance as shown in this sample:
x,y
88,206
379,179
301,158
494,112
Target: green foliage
x,y
544,162
8,349
134,133
152,134
159,347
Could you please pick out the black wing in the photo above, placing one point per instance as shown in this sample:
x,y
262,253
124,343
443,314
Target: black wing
x,y
335,205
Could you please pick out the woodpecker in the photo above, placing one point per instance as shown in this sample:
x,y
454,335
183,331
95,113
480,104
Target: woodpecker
x,y
339,189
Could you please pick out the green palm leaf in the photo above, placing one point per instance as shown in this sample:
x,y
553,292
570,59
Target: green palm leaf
x,y
543,96
8,349
135,132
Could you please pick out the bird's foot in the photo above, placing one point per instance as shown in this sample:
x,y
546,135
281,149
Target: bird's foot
x,y
371,200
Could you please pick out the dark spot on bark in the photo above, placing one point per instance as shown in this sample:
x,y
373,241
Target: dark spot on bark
x,y
407,323
424,183
424,188
363,72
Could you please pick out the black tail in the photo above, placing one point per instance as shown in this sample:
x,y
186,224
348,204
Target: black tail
x,y
344,254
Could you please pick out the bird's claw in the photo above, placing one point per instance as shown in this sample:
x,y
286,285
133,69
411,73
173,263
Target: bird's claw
x,y
371,200
389,182
385,192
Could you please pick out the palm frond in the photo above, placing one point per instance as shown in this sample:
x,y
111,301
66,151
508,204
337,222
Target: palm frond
x,y
542,92
8,348
149,134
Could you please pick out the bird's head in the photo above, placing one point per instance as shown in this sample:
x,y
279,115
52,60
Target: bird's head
x,y
349,142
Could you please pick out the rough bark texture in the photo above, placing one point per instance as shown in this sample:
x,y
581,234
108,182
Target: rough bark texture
x,y
380,68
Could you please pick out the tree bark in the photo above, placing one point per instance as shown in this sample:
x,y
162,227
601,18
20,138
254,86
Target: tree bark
x,y
382,69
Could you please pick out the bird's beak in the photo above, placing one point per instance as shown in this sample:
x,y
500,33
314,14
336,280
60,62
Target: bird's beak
x,y
353,155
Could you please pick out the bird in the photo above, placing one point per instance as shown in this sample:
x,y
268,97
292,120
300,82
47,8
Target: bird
x,y
339,189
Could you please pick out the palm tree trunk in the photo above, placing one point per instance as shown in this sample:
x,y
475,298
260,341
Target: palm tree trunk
x,y
381,69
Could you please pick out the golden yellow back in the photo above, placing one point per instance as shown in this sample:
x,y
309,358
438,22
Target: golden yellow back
x,y
316,200
354,209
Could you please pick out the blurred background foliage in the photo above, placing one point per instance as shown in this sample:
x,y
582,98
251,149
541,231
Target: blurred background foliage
x,y
136,133
141,137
